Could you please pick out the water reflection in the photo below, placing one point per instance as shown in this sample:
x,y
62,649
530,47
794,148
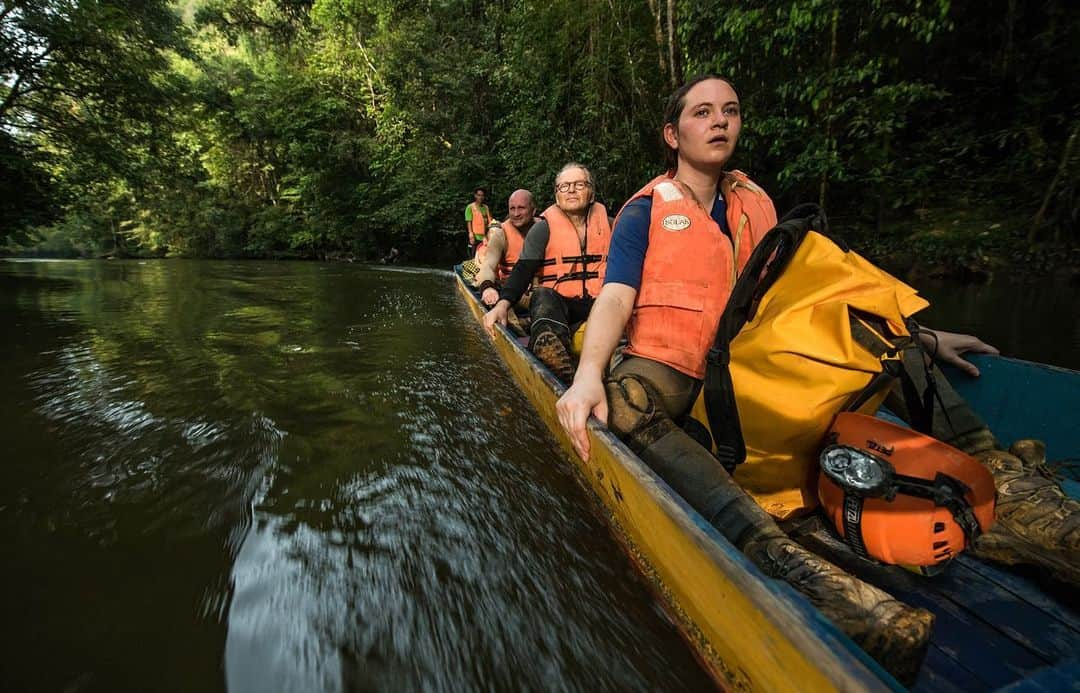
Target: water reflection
x,y
292,477
1031,321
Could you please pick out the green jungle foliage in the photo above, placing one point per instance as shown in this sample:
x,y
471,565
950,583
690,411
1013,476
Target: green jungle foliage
x,y
931,129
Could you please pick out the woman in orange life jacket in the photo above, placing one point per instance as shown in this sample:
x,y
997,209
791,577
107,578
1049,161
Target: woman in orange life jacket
x,y
505,245
567,252
676,248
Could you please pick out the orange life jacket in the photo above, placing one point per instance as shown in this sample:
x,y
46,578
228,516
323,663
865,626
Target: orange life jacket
x,y
481,217
515,241
572,268
690,268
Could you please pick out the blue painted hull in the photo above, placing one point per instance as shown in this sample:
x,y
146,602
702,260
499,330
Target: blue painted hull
x,y
1021,399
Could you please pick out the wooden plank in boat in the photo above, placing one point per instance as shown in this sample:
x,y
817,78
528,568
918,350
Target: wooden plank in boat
x,y
1065,613
1057,679
960,633
941,673
1036,628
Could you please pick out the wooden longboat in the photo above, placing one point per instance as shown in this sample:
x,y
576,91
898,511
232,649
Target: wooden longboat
x,y
994,629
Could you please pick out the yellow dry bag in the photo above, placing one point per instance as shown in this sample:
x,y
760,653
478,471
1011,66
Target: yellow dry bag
x,y
808,327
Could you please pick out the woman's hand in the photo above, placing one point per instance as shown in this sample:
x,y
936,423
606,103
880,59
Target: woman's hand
x,y
490,296
496,315
586,396
951,346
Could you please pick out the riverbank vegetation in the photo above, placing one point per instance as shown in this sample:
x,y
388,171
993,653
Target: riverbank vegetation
x,y
939,135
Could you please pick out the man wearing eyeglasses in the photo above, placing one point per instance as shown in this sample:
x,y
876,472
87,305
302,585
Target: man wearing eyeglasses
x,y
567,252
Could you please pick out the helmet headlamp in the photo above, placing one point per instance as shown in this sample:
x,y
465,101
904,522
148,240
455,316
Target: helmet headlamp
x,y
901,497
857,471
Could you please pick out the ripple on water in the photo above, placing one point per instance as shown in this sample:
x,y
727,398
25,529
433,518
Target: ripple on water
x,y
465,559
322,472
120,452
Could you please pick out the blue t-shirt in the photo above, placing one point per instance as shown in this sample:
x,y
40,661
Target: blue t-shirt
x,y
630,240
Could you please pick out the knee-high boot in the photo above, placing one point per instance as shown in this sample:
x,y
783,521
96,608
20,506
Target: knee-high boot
x,y
550,340
1035,523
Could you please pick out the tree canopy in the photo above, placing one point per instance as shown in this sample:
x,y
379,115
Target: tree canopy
x,y
316,128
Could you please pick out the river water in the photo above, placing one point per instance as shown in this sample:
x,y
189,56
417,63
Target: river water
x,y
292,477
312,477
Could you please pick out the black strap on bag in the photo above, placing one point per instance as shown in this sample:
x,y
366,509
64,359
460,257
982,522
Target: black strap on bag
x,y
766,264
919,404
920,408
923,419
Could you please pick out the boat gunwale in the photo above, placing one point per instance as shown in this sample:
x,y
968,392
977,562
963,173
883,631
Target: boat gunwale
x,y
841,664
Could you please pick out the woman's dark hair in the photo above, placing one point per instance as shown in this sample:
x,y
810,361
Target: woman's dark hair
x,y
675,105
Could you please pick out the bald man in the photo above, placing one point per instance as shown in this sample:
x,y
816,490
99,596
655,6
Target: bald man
x,y
504,246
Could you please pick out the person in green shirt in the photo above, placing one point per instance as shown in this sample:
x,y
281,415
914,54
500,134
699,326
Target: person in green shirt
x,y
477,219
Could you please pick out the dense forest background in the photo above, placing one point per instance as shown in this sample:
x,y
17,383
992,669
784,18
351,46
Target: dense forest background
x,y
935,132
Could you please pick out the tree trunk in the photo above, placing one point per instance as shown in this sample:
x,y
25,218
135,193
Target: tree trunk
x,y
1063,166
673,45
1010,24
658,13
830,141
371,73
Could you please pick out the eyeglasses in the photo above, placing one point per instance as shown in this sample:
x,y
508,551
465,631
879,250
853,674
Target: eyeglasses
x,y
576,185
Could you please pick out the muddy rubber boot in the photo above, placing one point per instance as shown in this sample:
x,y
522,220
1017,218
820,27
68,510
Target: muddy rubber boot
x,y
1032,453
893,633
553,353
1035,523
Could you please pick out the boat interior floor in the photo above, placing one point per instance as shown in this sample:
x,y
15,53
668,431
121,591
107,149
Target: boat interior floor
x,y
994,626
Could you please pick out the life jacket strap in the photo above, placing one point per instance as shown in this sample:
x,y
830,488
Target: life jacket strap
x,y
583,274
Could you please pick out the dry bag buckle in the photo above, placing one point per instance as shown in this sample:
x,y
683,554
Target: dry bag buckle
x,y
719,357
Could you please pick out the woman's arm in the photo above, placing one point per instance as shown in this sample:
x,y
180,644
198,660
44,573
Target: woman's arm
x,y
607,321
948,347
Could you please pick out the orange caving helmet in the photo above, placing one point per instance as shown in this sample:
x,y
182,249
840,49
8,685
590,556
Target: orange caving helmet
x,y
899,496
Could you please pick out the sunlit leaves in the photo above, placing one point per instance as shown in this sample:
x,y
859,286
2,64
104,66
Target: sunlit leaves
x,y
307,127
